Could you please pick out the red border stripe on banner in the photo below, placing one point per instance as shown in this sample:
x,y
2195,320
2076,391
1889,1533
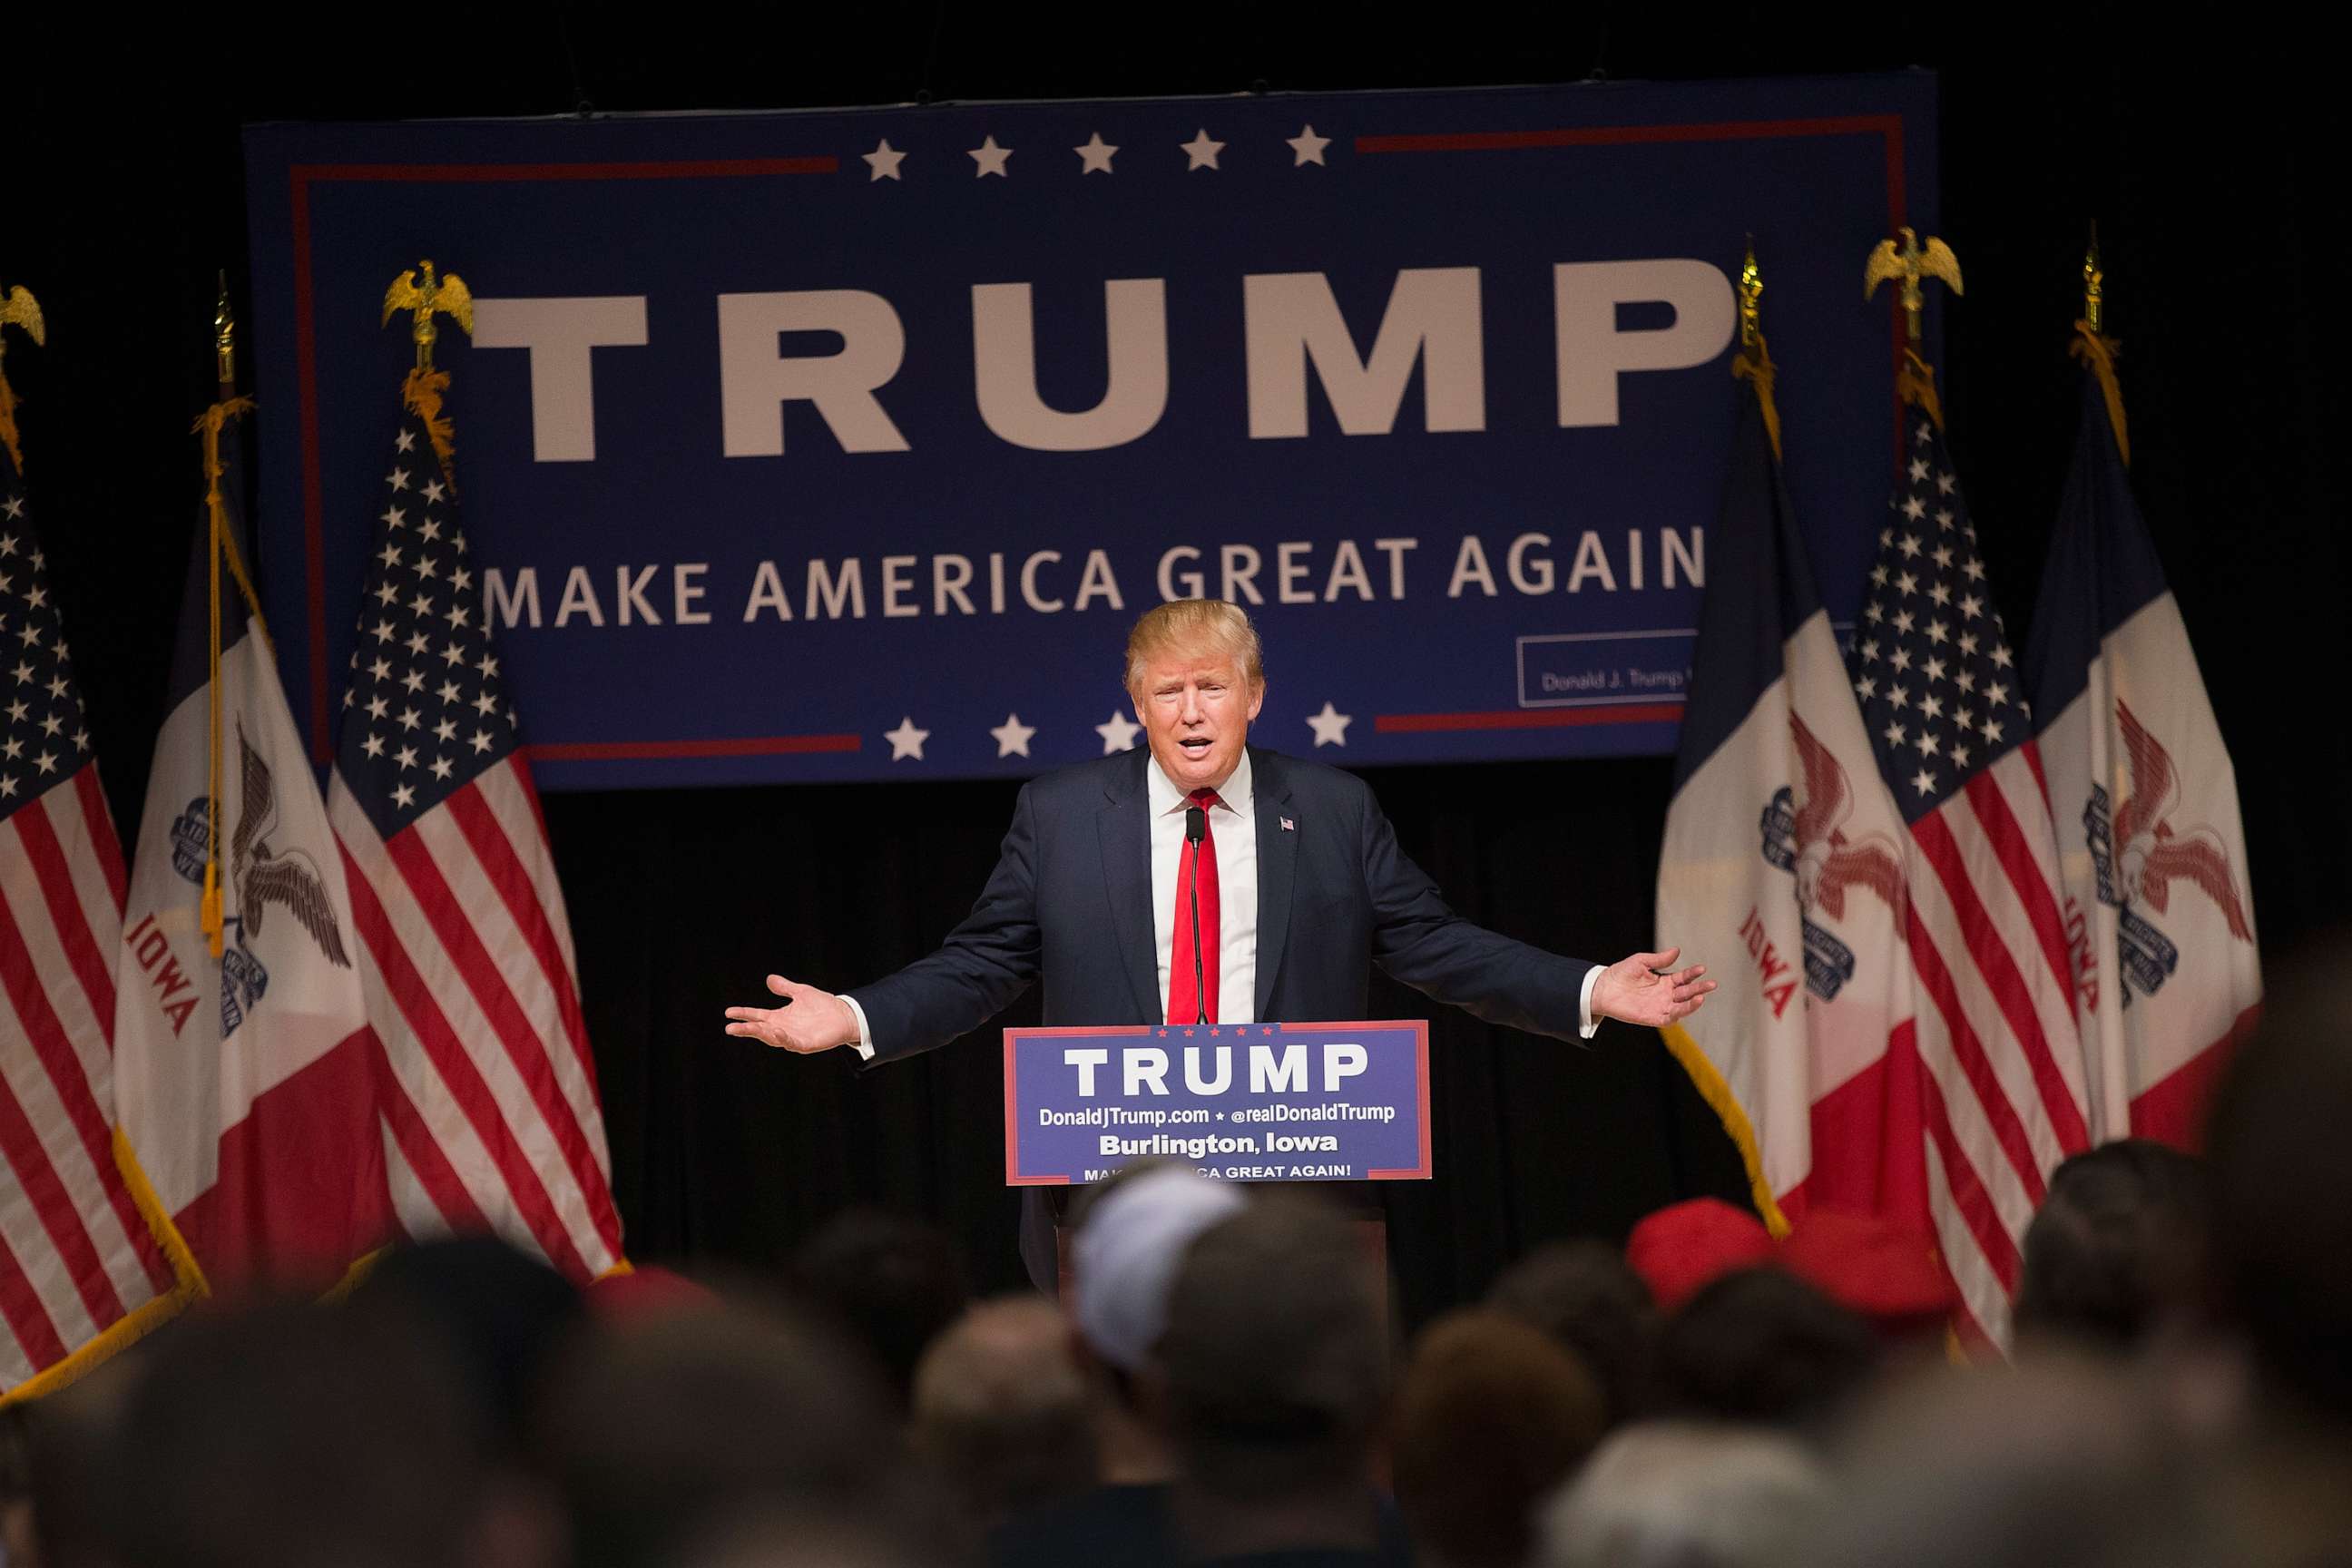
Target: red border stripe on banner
x,y
1528,719
743,746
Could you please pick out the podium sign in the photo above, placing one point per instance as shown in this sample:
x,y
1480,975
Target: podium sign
x,y
1257,1102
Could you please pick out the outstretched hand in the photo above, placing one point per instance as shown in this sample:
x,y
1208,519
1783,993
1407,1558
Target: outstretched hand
x,y
810,1020
1642,990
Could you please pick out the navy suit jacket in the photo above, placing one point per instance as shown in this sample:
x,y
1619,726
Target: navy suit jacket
x,y
1069,906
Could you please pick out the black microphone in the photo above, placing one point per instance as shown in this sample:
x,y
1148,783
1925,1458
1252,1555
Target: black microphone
x,y
1196,828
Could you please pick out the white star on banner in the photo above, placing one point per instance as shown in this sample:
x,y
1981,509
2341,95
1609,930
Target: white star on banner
x,y
1095,156
1012,736
905,741
1330,726
1307,147
990,157
1119,735
884,160
1201,152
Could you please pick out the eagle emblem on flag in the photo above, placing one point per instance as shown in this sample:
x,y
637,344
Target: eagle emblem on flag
x,y
263,876
1828,863
2151,853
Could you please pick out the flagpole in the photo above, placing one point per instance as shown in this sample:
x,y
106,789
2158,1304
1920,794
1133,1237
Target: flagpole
x,y
2094,348
1754,361
220,542
447,295
1906,265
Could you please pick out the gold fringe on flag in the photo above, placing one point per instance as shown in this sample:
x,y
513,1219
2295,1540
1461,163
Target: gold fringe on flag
x,y
1709,1082
2098,350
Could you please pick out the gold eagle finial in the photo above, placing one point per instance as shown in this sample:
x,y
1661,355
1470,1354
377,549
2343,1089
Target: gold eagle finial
x,y
1907,265
1751,291
2094,285
17,309
224,337
1754,360
449,296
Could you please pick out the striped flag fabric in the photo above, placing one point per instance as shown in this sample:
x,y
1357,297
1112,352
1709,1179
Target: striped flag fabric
x,y
241,1069
490,1112
1783,860
88,1263
2000,1090
2158,906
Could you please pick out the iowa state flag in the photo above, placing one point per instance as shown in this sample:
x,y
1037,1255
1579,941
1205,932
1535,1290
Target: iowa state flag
x,y
242,1078
2158,912
1783,863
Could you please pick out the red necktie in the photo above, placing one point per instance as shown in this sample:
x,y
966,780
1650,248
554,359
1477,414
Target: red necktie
x,y
1184,1004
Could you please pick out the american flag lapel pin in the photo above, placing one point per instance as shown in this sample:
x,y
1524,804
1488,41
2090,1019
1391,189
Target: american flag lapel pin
x,y
1288,825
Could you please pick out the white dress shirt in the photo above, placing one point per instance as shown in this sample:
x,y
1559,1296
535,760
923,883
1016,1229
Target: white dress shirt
x,y
1232,822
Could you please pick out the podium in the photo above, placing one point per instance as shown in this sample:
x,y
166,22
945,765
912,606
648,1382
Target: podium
x,y
1332,1105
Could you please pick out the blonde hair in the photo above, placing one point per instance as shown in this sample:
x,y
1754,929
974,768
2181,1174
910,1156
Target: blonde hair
x,y
1215,624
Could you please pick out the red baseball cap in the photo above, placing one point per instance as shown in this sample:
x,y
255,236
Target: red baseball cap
x,y
1684,1247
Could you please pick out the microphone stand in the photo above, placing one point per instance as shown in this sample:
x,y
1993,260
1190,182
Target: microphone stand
x,y
1196,828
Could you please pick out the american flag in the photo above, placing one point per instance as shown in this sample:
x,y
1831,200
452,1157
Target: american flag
x,y
2001,1089
81,1266
487,1087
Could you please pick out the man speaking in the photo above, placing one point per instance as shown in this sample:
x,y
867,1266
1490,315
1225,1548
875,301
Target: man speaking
x,y
1287,871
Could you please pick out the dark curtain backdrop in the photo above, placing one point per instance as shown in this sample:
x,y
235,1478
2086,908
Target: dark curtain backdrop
x,y
2210,163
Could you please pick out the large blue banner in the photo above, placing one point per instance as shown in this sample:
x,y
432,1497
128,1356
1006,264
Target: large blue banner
x,y
841,446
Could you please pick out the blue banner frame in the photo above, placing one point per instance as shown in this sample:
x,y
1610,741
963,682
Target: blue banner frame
x,y
1286,450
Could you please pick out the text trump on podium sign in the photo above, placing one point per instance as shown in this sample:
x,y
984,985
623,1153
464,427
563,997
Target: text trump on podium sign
x,y
1257,1102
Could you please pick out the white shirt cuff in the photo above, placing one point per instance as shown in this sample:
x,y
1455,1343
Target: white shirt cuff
x,y
864,1044
1585,1024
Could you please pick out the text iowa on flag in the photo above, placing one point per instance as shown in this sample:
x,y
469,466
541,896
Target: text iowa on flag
x,y
1782,864
87,1262
490,1117
242,1077
2158,905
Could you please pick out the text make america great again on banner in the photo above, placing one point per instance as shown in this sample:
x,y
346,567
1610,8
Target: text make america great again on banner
x,y
843,446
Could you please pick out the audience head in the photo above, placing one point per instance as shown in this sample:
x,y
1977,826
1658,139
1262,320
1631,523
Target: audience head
x,y
803,1536
663,1430
2114,1249
2282,1182
16,1541
1275,1356
73,1499
500,1314
1676,1495
890,1282
1001,1410
296,1435
1684,1247
2062,1461
1762,1346
1491,1416
1132,1236
1585,1296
